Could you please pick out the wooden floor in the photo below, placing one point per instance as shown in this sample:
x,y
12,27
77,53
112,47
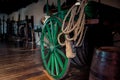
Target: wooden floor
x,y
19,64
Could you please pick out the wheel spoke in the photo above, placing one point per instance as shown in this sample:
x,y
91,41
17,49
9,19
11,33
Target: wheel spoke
x,y
61,53
56,66
59,60
55,32
57,46
49,32
46,44
47,55
52,30
52,65
47,37
49,62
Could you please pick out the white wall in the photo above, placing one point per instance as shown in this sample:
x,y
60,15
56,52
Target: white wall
x,y
35,9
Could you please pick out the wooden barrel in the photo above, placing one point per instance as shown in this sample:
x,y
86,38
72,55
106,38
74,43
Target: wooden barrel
x,y
105,64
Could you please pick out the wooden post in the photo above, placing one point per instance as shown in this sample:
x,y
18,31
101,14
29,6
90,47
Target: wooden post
x,y
3,27
0,26
33,33
26,28
7,26
18,24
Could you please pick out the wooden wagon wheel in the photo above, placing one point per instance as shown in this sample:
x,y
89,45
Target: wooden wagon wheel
x,y
53,55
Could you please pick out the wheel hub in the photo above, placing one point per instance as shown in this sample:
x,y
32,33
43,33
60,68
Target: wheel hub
x,y
52,47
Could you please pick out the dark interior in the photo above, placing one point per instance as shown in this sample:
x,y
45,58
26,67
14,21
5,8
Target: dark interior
x,y
9,6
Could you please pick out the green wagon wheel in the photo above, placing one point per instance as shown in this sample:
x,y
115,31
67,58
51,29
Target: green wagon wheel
x,y
53,55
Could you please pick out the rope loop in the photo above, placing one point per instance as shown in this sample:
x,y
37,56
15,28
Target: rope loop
x,y
75,24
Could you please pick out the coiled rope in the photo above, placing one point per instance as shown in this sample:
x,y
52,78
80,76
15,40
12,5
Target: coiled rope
x,y
77,27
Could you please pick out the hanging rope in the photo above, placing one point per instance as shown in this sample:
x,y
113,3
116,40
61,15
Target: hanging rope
x,y
77,27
